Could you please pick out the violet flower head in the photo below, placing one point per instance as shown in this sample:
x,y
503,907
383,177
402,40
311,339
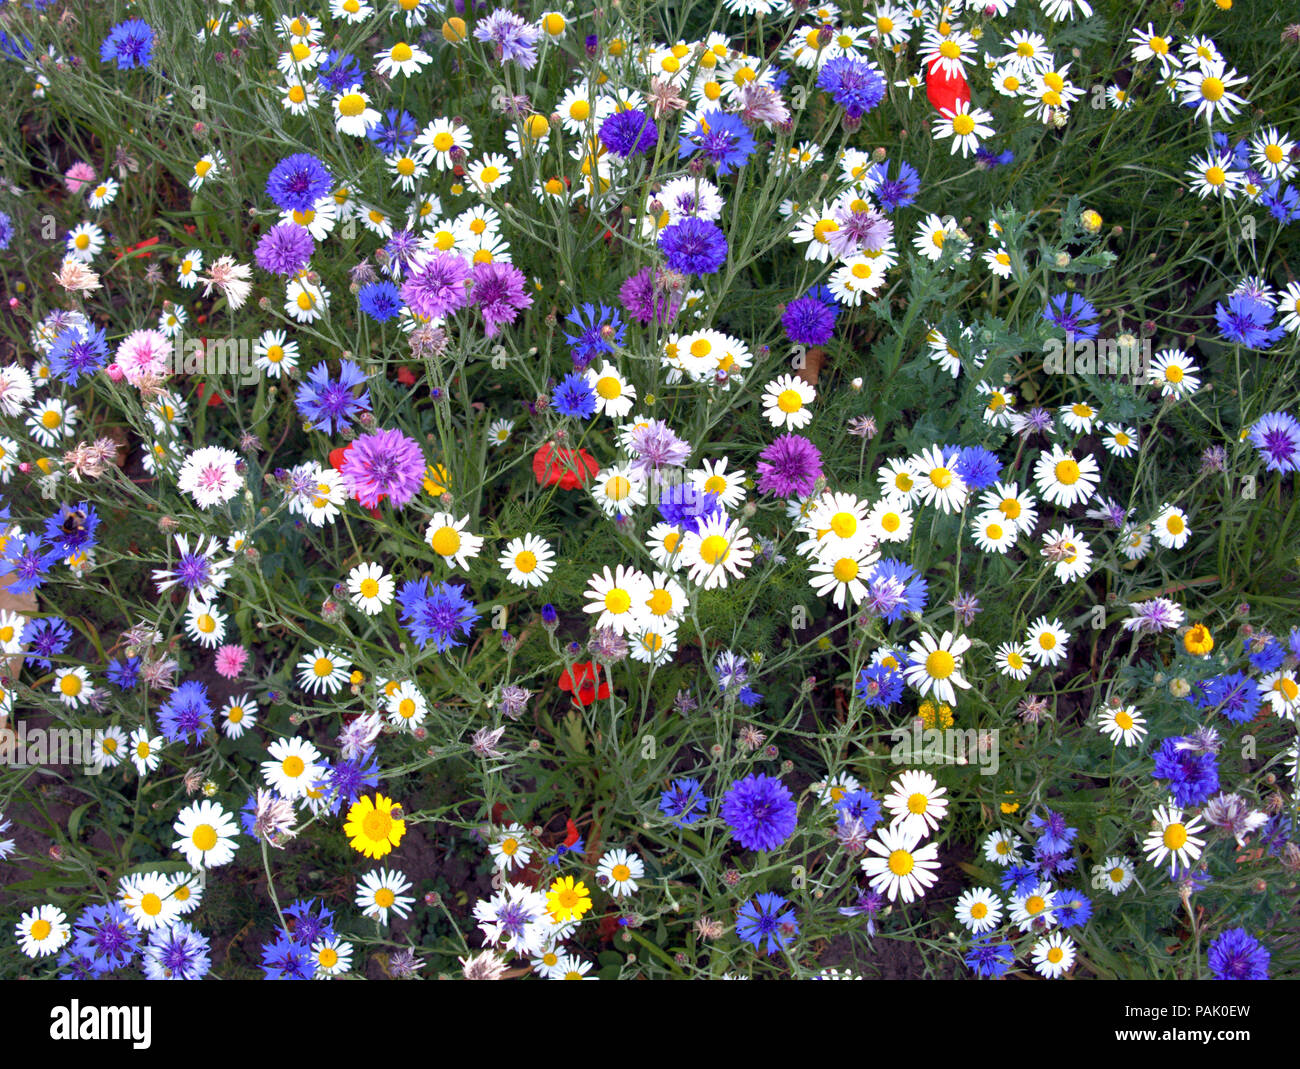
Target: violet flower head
x,y
499,292
285,249
384,464
437,287
789,467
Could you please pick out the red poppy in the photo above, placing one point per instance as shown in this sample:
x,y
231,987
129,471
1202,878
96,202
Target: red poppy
x,y
571,835
214,400
554,464
945,91
137,247
581,680
405,376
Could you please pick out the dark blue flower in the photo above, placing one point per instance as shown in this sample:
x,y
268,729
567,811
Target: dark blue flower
x,y
761,812
810,319
46,638
686,506
694,246
767,919
860,805
627,133
396,131
340,71
988,959
978,467
1054,834
286,959
71,530
1072,909
328,404
381,301
574,397
108,934
124,673
879,686
128,44
684,801
6,231
297,182
1247,322
1283,203
899,191
720,137
1192,776
599,330
1276,437
852,84
27,559
1238,955
186,713
440,614
285,249
1072,313
1270,657
894,588
77,352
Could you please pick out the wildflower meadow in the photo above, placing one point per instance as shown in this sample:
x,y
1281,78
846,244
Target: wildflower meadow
x,y
740,490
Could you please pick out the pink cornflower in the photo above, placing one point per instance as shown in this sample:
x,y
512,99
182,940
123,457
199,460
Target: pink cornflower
x,y
78,175
230,661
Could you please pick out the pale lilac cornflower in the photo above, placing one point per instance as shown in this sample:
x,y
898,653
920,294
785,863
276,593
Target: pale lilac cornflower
x,y
867,229
484,742
1152,617
358,738
763,104
514,39
966,606
1204,740
1232,813
657,446
1112,512
513,700
1035,421
273,818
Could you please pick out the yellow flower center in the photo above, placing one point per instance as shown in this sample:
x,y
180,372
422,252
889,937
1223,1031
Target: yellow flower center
x,y
901,862
789,401
204,837
445,541
940,664
351,105
1175,836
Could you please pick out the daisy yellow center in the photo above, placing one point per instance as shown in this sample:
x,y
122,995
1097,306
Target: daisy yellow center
x,y
142,749
83,241
844,524
329,957
1174,525
789,401
660,602
620,873
861,271
1035,905
351,105
297,94
1082,411
1054,81
1158,45
1067,472
40,929
608,387
903,481
204,837
445,541
1273,153
950,50
369,587
941,477
236,714
322,667
443,141
940,664
384,898
1212,89
490,174
1014,660
671,541
901,862
823,228
205,623
1216,176
713,549
701,347
70,685
305,301
1117,875
846,569
994,531
1055,955
406,166
151,904
715,484
618,601
891,521
202,168
1024,49
401,53
962,125
1121,439
979,911
292,766
1287,688
1175,836
916,802
304,218
1173,373
617,488
406,708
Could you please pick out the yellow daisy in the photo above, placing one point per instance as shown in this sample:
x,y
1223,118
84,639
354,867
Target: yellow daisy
x,y
374,827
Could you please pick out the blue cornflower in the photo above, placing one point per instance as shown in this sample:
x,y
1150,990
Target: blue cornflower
x,y
124,673
17,49
1270,658
731,670
340,71
128,44
879,686
1247,322
574,397
313,920
6,231
600,329
767,918
986,159
1283,203
328,404
988,959
71,530
1276,436
1053,862
761,812
186,713
1071,312
46,638
80,965
894,588
381,301
686,506
1240,152
628,133
108,934
396,131
515,39
1192,776
852,84
1235,695
810,319
978,467
1238,955
437,614
575,847
77,352
176,953
899,191
694,246
1054,835
1072,909
860,805
285,959
748,697
297,182
346,781
27,559
1020,879
685,801
723,138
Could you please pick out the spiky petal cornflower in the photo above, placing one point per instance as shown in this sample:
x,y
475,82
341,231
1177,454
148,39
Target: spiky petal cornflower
x,y
599,330
186,715
297,182
381,464
1153,616
176,953
340,71
1073,314
685,801
273,819
719,137
629,133
129,44
767,919
862,806
397,131
989,960
574,397
1055,835
1276,435
789,467
966,605
763,104
810,319
514,39
437,285
45,638
77,352
1282,202
1238,955
346,780
358,737
285,249
852,84
286,959
899,191
646,299
124,673
330,404
859,229
694,246
512,700
27,559
761,812
879,686
1193,777
894,588
1233,814
978,467
381,301
498,290
655,446
440,614
1247,321
71,530
106,933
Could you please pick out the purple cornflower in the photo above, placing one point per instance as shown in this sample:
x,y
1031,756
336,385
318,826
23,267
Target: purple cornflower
x,y
1192,776
645,301
400,251
1283,203
684,505
1054,834
868,904
966,606
761,812
858,230
381,301
436,614
128,44
1036,421
789,467
1072,313
1247,322
879,686
383,464
186,713
852,84
656,446
437,287
77,352
514,39
574,397
499,293
108,934
766,919
722,138
893,588
124,673
629,133
297,182
176,953
694,246
396,131
684,801
331,405
285,249
1235,695
313,921
900,191
1153,616
345,781
1277,437
599,328
810,319
1238,955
